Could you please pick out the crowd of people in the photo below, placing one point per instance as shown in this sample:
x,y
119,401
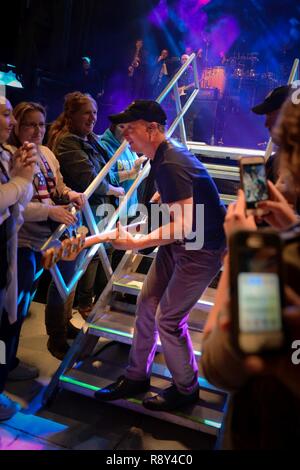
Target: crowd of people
x,y
35,198
264,390
39,184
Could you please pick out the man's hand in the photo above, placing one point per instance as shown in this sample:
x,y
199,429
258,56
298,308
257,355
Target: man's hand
x,y
124,240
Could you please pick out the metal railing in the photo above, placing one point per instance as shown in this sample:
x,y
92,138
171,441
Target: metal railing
x,y
65,289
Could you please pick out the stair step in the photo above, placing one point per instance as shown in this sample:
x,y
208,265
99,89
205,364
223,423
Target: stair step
x,y
132,284
92,375
119,326
129,283
149,255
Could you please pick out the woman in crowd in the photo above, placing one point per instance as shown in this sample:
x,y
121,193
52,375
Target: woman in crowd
x,y
81,159
16,174
264,392
48,208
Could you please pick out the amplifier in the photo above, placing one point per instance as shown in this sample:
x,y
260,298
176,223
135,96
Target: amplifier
x,y
205,112
207,94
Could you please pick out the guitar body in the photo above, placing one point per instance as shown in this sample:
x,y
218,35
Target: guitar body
x,y
183,89
69,249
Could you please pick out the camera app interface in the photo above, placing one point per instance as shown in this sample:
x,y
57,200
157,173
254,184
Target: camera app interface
x,y
259,302
259,293
254,181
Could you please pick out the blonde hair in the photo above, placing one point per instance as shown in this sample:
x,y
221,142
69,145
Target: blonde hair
x,y
287,135
62,125
19,113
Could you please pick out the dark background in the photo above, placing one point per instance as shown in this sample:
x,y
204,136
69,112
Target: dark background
x,y
45,39
54,34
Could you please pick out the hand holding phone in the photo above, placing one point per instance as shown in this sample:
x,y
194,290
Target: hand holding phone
x,y
278,212
236,217
254,181
256,291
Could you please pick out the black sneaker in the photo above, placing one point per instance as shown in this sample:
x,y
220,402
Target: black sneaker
x,y
58,347
122,388
170,399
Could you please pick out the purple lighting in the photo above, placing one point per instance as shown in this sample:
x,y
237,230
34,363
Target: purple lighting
x,y
202,3
192,14
223,34
159,14
190,7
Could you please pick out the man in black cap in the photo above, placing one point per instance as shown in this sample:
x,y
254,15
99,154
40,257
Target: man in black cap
x,y
271,107
188,258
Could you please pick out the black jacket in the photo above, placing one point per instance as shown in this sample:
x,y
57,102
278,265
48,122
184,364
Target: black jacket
x,y
80,162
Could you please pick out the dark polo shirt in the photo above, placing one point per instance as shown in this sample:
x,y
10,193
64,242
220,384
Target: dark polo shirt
x,y
180,175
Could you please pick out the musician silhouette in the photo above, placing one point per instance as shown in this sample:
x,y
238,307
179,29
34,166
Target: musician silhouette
x,y
88,79
138,71
186,85
160,74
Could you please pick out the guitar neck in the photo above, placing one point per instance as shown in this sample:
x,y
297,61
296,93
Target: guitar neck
x,y
100,238
108,236
187,87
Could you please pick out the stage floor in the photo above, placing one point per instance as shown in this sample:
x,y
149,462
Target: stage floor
x,y
76,422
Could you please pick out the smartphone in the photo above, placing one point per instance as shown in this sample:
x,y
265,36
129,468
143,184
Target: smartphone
x,y
254,181
256,291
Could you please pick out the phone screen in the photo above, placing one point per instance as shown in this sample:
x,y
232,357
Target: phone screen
x,y
259,302
259,297
255,183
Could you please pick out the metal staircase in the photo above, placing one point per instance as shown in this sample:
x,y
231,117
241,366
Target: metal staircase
x,y
85,370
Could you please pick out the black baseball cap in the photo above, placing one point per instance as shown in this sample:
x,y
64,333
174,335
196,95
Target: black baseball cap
x,y
148,110
273,100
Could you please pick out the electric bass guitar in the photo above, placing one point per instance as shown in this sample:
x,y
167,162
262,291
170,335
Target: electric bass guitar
x,y
69,249
183,89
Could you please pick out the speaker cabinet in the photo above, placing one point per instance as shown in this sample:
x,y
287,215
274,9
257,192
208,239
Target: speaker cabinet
x,y
205,112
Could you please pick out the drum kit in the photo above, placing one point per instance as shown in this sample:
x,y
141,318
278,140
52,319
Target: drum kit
x,y
238,77
214,77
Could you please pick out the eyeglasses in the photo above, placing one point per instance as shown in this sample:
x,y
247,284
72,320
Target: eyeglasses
x,y
34,125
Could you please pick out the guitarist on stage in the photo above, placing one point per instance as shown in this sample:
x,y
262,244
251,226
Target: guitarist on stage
x,y
186,83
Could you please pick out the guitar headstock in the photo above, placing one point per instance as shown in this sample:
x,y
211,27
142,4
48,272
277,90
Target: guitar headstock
x,y
67,250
